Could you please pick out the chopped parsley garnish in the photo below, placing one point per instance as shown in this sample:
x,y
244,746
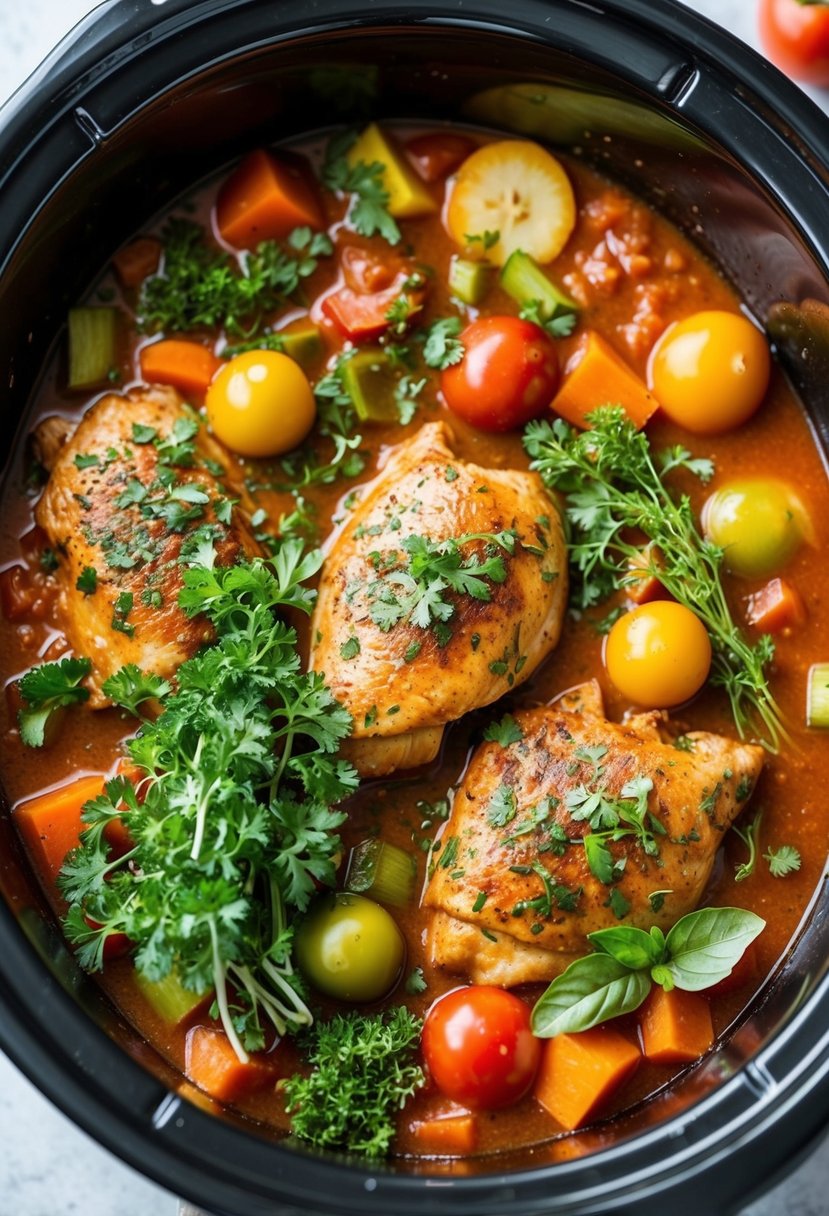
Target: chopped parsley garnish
x,y
87,580
48,688
120,613
560,325
441,347
486,238
504,732
502,807
414,590
130,687
350,648
203,287
368,213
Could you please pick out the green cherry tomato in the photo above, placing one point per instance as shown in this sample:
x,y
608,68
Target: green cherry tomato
x,y
350,948
760,523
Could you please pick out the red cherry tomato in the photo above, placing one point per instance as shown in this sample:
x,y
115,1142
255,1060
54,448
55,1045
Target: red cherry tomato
x,y
435,155
479,1047
509,374
796,38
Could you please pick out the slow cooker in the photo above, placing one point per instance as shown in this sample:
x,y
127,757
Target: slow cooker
x,y
141,100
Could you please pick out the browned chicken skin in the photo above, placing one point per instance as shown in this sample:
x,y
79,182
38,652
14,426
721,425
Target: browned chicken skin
x,y
133,546
492,862
401,704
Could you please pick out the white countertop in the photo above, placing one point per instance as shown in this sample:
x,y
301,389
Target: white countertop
x,y
47,1166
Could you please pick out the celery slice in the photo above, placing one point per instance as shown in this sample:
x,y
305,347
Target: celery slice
x,y
370,380
524,280
169,998
302,341
93,345
817,697
468,281
382,871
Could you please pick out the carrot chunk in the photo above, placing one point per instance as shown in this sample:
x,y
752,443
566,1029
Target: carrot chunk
x,y
264,199
137,260
51,823
212,1064
777,606
676,1026
597,376
447,1135
187,366
579,1072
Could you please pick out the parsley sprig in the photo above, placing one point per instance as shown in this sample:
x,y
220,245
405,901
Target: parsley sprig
x,y
415,590
364,1068
201,286
47,689
234,817
368,213
615,488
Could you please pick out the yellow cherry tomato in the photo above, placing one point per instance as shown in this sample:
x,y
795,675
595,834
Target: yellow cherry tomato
x,y
710,372
260,404
759,521
658,655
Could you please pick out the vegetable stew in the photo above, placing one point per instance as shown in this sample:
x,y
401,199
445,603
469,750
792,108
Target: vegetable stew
x,y
414,659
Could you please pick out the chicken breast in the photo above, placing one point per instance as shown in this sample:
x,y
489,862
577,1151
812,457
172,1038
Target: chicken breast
x,y
404,674
512,883
128,494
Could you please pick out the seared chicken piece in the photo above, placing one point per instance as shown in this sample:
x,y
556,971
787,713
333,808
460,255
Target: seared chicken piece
x,y
402,681
122,504
511,884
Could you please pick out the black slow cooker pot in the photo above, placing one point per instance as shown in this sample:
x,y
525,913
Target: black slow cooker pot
x,y
138,103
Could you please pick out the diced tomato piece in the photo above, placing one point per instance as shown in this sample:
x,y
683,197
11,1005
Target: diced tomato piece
x,y
437,153
116,944
366,273
360,317
777,606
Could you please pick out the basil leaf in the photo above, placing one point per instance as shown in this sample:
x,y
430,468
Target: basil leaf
x,y
590,991
704,946
633,948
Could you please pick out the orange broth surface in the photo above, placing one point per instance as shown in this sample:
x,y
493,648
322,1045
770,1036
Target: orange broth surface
x,y
633,274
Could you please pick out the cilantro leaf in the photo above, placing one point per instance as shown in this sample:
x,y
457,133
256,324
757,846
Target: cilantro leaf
x,y
130,687
368,213
505,732
87,580
783,861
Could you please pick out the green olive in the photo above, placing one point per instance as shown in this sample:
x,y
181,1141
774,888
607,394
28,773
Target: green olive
x,y
759,522
350,948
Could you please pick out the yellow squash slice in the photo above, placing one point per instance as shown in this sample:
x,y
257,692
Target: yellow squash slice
x,y
515,191
408,195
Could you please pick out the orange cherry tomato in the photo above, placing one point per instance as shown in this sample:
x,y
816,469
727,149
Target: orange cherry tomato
x,y
509,374
479,1047
796,37
710,371
658,655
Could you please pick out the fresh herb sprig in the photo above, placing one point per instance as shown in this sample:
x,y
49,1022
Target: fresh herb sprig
x,y
363,1069
233,818
700,950
614,488
369,210
415,589
336,420
201,286
782,861
47,689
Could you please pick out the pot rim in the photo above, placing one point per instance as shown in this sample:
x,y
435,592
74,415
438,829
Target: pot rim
x,y
785,1089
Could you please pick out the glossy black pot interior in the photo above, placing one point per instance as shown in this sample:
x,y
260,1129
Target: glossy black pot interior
x,y
142,102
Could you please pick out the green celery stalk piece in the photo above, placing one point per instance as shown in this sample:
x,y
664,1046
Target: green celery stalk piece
x,y
817,701
93,345
172,1002
382,871
524,280
370,381
468,281
303,342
